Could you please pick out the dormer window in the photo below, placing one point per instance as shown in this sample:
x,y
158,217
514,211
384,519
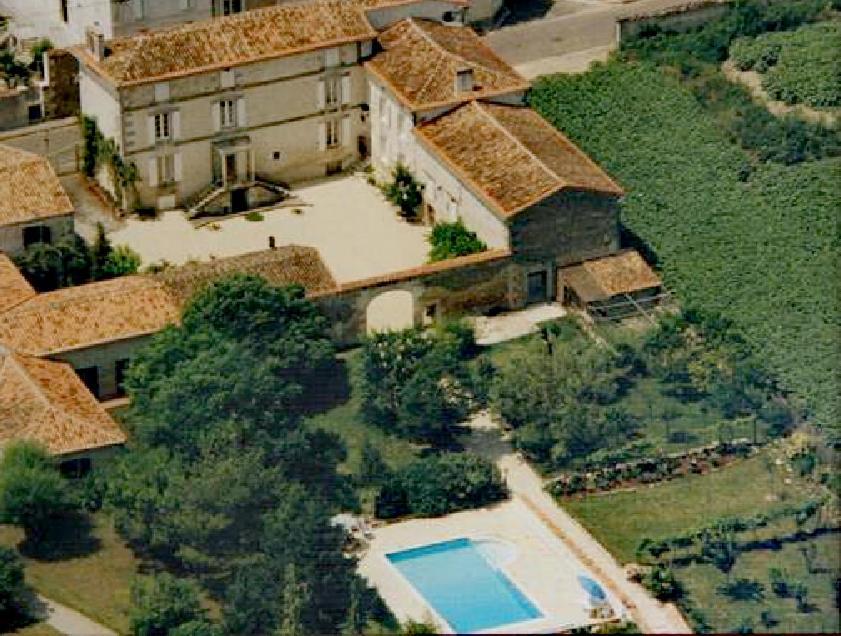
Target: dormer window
x,y
95,42
464,80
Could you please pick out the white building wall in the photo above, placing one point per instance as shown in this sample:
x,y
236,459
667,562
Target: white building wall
x,y
452,200
281,119
98,101
104,357
35,19
483,11
384,17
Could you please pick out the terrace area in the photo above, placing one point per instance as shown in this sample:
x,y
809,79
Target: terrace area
x,y
356,231
534,560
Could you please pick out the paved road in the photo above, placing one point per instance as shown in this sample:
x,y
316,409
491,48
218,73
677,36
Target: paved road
x,y
70,622
570,26
525,484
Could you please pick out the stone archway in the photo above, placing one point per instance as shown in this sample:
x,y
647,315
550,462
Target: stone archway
x,y
393,309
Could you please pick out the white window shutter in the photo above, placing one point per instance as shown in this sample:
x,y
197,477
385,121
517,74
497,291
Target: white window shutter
x,y
176,166
322,136
367,48
185,4
137,6
153,172
320,95
216,115
346,89
242,122
345,131
150,121
176,124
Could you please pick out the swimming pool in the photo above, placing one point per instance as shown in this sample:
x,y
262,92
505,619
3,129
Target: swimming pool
x,y
463,586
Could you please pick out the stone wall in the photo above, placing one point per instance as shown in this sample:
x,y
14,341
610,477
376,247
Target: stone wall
x,y
681,18
567,227
59,141
11,236
479,283
61,94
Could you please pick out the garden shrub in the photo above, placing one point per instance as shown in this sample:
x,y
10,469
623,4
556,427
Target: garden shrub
x,y
743,589
404,191
163,604
14,610
440,484
449,240
663,584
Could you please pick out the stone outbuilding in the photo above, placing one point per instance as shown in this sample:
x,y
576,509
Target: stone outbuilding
x,y
34,208
45,402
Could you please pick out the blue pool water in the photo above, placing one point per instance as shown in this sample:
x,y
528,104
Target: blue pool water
x,y
463,587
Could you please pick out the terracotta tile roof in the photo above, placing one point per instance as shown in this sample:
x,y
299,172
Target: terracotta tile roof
x,y
29,188
282,266
45,401
218,43
83,316
14,288
421,58
511,156
602,278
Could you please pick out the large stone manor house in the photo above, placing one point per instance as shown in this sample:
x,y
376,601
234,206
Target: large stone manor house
x,y
291,92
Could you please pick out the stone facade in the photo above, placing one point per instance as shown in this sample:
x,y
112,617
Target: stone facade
x,y
12,236
102,362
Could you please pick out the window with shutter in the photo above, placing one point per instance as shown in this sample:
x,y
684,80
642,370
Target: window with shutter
x,y
331,58
161,91
331,91
346,89
227,113
345,140
241,121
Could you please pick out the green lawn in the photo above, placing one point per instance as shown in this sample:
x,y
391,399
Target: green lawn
x,y
621,520
37,629
702,582
341,416
96,581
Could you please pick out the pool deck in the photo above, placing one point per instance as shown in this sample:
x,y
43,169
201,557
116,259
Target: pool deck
x,y
542,567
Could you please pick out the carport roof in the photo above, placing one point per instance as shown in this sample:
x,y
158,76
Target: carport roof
x,y
603,278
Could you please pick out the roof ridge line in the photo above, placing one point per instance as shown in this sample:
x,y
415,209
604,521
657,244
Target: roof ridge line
x,y
519,143
446,52
39,391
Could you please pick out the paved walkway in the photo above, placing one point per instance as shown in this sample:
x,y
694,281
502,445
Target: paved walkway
x,y
525,484
515,324
571,35
70,622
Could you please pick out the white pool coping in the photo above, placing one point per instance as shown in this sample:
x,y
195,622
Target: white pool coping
x,y
543,568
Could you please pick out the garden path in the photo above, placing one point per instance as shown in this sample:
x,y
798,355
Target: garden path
x,y
651,616
70,622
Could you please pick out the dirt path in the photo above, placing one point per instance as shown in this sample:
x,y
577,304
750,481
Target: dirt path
x,y
753,82
650,615
70,622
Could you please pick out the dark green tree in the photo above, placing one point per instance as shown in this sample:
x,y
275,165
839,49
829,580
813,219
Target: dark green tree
x,y
13,590
32,492
162,604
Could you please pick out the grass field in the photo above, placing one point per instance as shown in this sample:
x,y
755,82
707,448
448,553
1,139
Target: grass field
x,y
756,242
660,414
341,416
90,574
621,520
37,629
703,580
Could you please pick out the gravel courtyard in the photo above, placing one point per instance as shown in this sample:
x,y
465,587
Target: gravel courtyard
x,y
356,231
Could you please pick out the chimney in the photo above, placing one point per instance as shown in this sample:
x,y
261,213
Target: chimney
x,y
464,80
96,42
